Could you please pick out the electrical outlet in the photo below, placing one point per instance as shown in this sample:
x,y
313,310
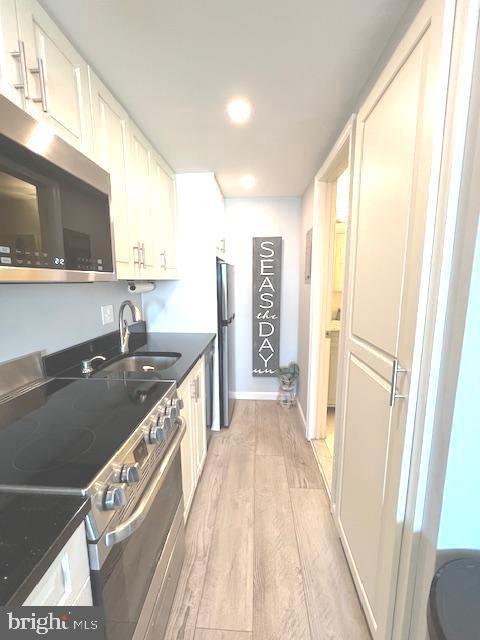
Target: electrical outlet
x,y
107,314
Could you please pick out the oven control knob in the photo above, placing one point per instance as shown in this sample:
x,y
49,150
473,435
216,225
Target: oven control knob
x,y
115,497
165,423
156,434
130,473
178,404
172,413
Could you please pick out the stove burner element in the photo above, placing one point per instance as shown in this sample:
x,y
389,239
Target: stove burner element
x,y
54,450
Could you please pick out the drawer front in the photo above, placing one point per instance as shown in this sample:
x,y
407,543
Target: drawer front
x,y
66,577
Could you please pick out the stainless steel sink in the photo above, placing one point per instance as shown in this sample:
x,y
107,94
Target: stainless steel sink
x,y
142,363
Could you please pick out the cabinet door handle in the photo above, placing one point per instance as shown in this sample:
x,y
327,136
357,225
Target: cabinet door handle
x,y
393,388
136,248
142,263
20,54
43,85
164,260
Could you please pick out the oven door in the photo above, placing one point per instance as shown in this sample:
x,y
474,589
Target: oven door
x,y
132,575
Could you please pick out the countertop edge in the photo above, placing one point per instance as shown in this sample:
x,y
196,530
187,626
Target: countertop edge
x,y
195,360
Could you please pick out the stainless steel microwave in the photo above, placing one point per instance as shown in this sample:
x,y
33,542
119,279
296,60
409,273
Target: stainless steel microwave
x,y
55,223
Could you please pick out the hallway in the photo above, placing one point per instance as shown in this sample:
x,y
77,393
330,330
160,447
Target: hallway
x,y
263,560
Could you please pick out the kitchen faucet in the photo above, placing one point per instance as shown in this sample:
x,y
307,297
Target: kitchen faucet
x,y
123,324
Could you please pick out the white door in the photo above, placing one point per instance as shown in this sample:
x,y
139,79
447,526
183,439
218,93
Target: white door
x,y
392,172
57,77
13,68
110,126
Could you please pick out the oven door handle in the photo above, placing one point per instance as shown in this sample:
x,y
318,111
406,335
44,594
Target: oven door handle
x,y
132,523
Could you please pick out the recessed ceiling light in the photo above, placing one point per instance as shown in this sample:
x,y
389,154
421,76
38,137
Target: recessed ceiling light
x,y
239,110
248,182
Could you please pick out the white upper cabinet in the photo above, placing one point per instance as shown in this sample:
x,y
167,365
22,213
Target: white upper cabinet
x,y
221,225
111,151
57,77
142,230
164,208
13,67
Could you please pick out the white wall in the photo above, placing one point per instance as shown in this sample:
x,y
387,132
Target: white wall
x,y
255,217
304,301
49,317
460,519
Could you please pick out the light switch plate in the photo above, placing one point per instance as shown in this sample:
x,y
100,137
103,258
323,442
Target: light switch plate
x,y
107,314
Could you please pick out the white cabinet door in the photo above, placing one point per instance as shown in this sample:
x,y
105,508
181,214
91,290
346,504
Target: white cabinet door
x,y
67,580
57,77
200,418
187,448
221,221
164,209
142,227
13,69
111,132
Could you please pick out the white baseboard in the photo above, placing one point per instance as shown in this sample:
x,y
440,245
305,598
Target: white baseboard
x,y
255,395
302,415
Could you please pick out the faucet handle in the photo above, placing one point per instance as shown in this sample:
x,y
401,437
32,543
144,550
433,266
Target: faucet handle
x,y
87,364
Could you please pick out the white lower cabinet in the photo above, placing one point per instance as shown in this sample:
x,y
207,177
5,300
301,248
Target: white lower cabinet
x,y
194,444
67,581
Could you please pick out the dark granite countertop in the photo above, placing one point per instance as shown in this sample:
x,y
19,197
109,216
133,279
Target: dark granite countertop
x,y
190,346
33,530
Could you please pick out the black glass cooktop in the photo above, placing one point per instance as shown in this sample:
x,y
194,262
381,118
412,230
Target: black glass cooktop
x,y
61,434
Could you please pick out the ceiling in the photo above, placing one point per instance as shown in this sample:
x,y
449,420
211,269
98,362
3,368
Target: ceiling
x,y
175,64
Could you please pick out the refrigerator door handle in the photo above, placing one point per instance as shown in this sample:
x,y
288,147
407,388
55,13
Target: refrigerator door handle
x,y
224,294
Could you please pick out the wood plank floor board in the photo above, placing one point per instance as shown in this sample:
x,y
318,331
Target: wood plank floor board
x,y
219,634
227,598
279,600
333,606
301,466
268,438
198,538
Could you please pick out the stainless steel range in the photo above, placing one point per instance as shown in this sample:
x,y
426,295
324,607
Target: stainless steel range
x,y
118,442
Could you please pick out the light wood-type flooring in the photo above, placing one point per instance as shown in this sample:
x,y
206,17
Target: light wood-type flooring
x,y
263,559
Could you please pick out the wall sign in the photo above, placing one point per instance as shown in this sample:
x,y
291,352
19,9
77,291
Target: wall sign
x,y
267,278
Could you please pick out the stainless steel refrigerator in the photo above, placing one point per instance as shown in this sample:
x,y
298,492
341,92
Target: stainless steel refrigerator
x,y
226,339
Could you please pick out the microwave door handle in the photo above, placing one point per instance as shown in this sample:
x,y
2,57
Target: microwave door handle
x,y
131,524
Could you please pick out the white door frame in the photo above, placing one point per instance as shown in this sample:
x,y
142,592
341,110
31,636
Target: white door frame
x,y
338,159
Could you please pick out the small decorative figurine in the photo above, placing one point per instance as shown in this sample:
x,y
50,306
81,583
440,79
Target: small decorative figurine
x,y
288,377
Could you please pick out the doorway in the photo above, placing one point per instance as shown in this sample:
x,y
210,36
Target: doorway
x,y
324,443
